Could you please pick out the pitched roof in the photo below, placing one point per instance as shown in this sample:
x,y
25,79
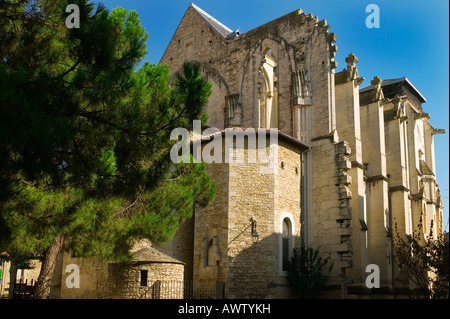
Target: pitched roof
x,y
222,29
238,130
394,81
425,169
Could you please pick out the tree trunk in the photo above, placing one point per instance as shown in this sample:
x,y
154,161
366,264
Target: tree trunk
x,y
12,279
48,266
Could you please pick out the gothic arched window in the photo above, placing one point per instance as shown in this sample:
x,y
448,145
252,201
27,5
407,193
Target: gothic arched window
x,y
268,97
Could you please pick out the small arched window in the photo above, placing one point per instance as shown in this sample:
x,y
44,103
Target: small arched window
x,y
210,257
209,252
286,240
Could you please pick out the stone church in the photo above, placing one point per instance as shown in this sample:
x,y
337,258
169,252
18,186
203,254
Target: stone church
x,y
352,162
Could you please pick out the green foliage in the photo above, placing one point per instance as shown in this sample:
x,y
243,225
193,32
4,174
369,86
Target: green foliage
x,y
307,271
85,137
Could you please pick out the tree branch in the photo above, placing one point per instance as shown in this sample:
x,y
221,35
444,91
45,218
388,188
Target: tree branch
x,y
73,67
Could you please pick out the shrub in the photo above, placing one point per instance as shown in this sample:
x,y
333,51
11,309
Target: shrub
x,y
307,271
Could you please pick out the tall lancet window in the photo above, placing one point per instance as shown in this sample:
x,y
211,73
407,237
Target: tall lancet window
x,y
286,238
268,97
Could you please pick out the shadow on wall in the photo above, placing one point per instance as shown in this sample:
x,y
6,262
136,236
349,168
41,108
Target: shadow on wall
x,y
257,272
260,271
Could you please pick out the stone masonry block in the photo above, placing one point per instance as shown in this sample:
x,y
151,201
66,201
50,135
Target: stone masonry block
x,y
344,192
345,213
343,148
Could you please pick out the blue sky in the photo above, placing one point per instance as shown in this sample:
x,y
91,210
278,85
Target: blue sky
x,y
412,41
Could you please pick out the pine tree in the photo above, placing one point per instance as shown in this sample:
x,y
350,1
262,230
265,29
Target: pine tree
x,y
85,137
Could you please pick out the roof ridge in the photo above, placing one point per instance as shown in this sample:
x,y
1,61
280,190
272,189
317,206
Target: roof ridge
x,y
213,22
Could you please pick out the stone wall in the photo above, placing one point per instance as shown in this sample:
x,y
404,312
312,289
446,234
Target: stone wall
x,y
332,212
211,227
251,265
93,278
164,281
100,279
256,268
181,247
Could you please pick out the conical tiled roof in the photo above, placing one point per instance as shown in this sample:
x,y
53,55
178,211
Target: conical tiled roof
x,y
150,254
